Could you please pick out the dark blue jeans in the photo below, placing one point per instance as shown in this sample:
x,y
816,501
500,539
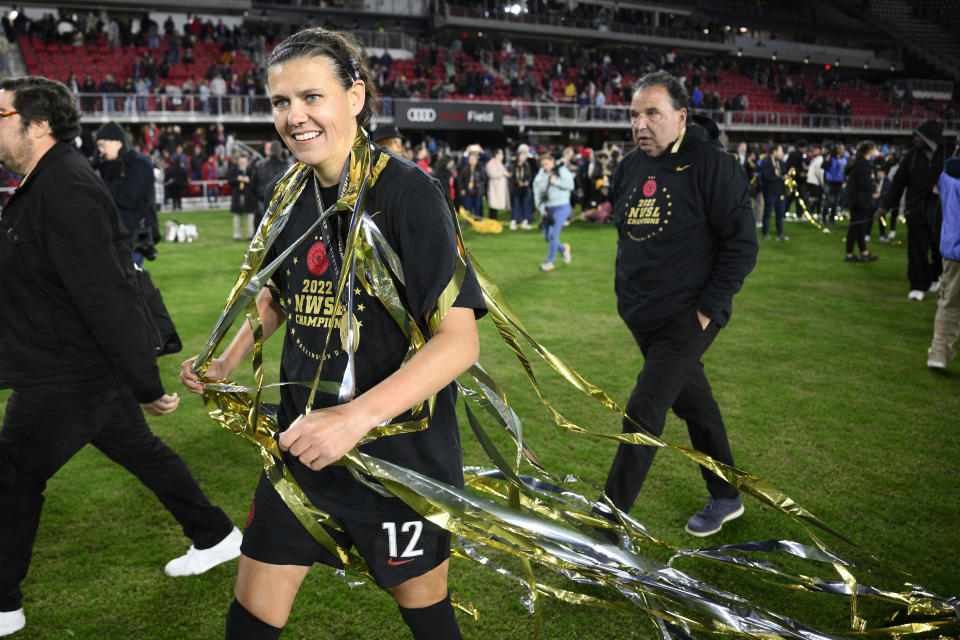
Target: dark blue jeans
x,y
672,377
474,205
43,429
522,206
773,203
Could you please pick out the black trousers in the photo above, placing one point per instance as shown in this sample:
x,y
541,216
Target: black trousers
x,y
832,191
812,196
859,218
672,377
773,202
924,263
43,429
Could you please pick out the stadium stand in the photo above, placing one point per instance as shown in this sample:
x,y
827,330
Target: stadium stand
x,y
533,76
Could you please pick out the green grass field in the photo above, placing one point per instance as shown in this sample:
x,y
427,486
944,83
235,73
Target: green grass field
x,y
820,375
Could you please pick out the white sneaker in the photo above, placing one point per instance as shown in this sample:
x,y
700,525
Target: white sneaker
x,y
12,621
934,286
513,225
866,238
547,266
197,561
937,359
891,235
915,294
883,238
525,225
566,254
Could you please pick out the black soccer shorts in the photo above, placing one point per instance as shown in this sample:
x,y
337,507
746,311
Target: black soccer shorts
x,y
397,544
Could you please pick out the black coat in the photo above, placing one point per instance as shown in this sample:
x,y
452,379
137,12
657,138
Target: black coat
x,y
917,175
860,186
243,199
771,174
68,301
686,232
130,180
177,179
466,177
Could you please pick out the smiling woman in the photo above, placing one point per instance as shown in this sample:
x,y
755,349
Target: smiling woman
x,y
323,98
321,90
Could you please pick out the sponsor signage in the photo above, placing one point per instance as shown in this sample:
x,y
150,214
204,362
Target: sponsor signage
x,y
434,114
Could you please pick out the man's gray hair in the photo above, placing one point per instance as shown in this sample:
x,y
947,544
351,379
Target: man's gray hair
x,y
679,97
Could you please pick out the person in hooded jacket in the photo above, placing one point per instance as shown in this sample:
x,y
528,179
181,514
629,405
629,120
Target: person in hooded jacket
x,y
946,324
686,241
129,178
917,176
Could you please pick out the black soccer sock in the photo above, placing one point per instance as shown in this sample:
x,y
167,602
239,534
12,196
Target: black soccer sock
x,y
243,625
436,622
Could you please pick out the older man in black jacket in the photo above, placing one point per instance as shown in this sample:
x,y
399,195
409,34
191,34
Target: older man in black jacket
x,y
72,343
686,242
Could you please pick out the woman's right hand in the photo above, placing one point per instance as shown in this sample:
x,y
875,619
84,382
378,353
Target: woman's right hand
x,y
216,371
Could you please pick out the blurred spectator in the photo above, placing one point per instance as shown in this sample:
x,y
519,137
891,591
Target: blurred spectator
x,y
857,197
497,186
390,138
471,185
176,183
129,178
210,173
946,323
243,200
917,177
813,187
774,191
265,173
551,193
521,185
834,163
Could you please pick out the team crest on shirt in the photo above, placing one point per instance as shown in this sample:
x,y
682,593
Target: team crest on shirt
x,y
317,259
311,307
647,210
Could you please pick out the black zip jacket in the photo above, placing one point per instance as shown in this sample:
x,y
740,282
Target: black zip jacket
x,y
68,304
860,186
687,236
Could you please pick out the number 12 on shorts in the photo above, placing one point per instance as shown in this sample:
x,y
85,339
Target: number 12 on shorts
x,y
410,551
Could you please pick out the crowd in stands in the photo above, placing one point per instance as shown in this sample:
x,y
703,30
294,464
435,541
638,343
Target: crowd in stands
x,y
208,67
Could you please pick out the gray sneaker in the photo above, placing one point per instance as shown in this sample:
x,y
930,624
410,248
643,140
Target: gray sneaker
x,y
711,519
938,358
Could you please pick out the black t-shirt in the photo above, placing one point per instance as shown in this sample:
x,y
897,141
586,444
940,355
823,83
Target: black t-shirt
x,y
411,212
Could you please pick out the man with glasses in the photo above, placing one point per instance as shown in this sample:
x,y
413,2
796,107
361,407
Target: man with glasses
x,y
72,344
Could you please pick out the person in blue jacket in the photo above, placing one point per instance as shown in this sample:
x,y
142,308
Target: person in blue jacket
x,y
551,193
946,324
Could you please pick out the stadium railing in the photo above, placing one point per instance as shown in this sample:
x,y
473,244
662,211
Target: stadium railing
x,y
242,108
